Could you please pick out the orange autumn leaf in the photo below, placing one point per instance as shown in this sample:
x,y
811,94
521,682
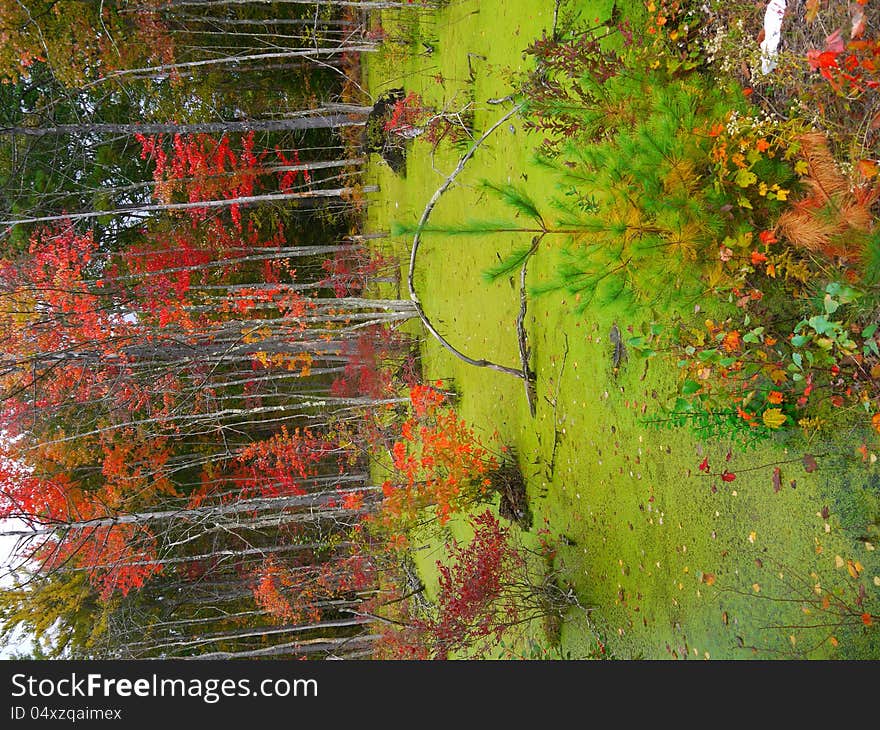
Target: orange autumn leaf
x,y
353,500
731,341
868,168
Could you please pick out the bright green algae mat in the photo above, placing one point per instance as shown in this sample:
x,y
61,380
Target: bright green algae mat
x,y
675,564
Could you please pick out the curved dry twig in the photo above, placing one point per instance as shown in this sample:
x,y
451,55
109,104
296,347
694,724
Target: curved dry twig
x,y
521,372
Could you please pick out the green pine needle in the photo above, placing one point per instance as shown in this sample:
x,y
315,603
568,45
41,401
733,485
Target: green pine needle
x,y
514,261
516,199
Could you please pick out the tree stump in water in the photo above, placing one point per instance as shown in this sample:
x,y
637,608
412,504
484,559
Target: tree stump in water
x,y
508,481
390,147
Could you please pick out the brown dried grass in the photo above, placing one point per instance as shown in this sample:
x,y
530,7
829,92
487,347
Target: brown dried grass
x,y
834,216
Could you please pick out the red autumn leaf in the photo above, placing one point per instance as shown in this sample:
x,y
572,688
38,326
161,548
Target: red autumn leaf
x,y
777,479
809,462
767,237
834,42
821,60
867,619
727,476
704,465
825,512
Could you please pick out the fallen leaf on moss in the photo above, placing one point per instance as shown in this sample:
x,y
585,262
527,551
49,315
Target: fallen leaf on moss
x,y
773,418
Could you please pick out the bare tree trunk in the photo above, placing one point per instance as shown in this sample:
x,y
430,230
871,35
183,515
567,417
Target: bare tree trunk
x,y
246,201
254,632
363,4
175,68
297,648
310,119
191,515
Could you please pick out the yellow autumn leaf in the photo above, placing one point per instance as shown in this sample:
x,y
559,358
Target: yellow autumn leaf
x,y
773,417
838,561
853,568
778,376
